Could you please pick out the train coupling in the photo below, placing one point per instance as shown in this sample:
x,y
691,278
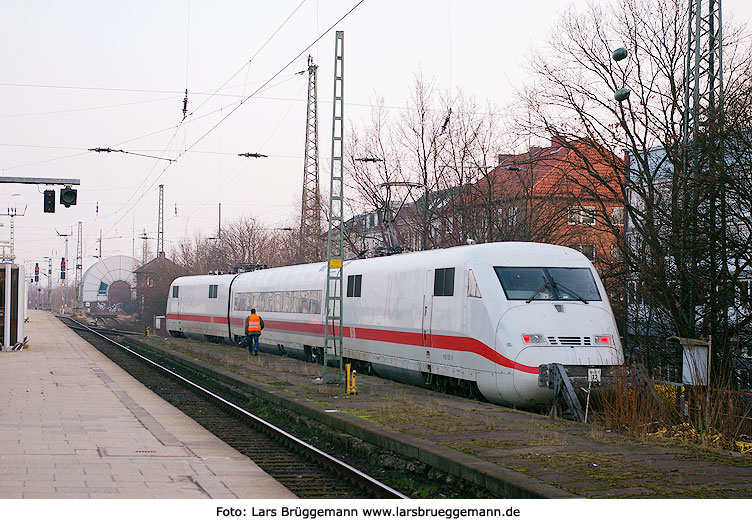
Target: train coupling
x,y
578,375
567,380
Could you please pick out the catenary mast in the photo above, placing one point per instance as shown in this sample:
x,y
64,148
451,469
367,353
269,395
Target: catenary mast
x,y
310,213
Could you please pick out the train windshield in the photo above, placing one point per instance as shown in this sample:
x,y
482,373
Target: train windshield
x,y
545,284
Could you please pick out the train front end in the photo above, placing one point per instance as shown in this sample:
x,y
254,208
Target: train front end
x,y
555,314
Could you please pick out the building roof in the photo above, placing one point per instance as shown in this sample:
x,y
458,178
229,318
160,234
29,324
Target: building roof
x,y
560,169
156,265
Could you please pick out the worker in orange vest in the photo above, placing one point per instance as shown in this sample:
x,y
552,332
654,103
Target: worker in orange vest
x,y
253,326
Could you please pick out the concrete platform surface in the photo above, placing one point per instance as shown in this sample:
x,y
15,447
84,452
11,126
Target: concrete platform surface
x,y
75,425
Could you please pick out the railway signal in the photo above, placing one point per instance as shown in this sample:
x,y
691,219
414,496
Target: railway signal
x,y
62,268
49,201
36,272
68,196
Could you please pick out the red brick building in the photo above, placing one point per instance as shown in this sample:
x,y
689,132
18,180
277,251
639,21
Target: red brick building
x,y
565,194
153,281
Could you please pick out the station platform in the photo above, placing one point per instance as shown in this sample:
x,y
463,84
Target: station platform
x,y
75,425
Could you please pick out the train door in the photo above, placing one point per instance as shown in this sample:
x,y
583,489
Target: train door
x,y
176,304
427,310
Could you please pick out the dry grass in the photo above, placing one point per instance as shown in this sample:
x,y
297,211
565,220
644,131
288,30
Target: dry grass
x,y
714,417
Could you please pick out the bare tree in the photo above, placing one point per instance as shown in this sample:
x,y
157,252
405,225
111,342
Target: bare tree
x,y
244,240
680,255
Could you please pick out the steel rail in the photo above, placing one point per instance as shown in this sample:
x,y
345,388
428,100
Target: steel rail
x,y
379,488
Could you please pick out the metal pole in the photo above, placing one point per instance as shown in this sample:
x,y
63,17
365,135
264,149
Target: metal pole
x,y
333,340
12,236
309,249
79,265
160,223
49,283
6,316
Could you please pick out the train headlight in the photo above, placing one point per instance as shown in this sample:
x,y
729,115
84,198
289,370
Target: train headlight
x,y
604,340
534,339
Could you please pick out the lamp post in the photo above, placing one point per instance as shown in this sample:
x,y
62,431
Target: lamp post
x,y
622,94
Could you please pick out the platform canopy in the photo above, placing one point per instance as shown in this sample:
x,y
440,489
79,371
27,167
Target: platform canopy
x,y
98,279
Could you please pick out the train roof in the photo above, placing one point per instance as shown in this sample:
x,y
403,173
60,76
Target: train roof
x,y
495,253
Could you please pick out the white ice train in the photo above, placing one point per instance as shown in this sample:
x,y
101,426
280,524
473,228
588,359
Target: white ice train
x,y
474,318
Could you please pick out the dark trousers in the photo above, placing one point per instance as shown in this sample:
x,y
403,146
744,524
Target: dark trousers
x,y
253,345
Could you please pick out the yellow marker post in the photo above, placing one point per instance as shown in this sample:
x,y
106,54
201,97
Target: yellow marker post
x,y
350,374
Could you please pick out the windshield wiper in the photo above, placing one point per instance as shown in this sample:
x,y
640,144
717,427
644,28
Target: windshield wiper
x,y
570,292
537,292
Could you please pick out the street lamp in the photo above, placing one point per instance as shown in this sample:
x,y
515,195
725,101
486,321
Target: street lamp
x,y
622,94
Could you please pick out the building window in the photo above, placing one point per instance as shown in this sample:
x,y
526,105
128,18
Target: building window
x,y
443,282
149,282
513,215
213,291
353,285
618,215
581,215
175,290
743,289
586,249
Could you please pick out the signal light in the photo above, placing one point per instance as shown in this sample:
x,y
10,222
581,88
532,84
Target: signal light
x,y
604,340
36,272
68,196
62,268
49,201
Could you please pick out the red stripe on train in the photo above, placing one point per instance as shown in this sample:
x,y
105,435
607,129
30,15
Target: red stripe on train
x,y
445,342
189,317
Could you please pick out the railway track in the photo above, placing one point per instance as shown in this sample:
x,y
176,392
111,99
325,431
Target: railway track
x,y
302,468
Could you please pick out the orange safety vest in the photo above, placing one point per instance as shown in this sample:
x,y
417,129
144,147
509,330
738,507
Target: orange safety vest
x,y
254,323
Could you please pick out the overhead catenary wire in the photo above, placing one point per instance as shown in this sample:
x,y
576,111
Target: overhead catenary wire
x,y
109,150
250,96
155,173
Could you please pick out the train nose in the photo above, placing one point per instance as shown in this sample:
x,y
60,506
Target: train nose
x,y
542,334
525,378
526,385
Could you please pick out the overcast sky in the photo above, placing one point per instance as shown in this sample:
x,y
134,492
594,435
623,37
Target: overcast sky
x,y
78,74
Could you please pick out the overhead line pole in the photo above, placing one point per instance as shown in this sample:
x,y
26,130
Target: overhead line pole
x,y
334,248
160,223
310,214
12,213
79,265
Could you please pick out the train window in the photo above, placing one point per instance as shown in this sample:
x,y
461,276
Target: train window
x,y
353,285
539,284
472,285
175,290
574,284
303,301
443,282
213,291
